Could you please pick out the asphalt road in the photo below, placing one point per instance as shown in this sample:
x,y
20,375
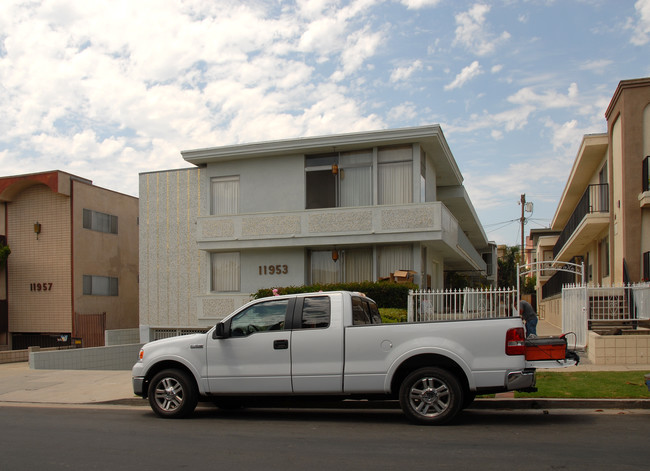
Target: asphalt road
x,y
119,438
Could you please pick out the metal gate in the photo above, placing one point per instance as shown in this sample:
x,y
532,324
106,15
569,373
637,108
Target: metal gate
x,y
90,328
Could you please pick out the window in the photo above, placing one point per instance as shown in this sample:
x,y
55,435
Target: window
x,y
358,265
100,222
604,256
99,286
262,317
394,257
315,312
224,196
364,312
321,181
352,265
646,266
225,271
395,175
355,177
338,180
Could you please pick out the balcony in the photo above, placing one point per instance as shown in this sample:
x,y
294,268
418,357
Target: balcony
x,y
589,218
431,224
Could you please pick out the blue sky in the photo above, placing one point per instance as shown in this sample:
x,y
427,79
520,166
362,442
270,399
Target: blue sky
x,y
110,88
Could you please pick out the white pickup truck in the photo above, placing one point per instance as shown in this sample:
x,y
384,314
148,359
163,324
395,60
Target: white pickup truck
x,y
334,344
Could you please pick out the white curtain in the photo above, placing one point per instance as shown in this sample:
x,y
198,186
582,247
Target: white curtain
x,y
225,271
394,257
358,265
356,187
355,178
324,269
395,183
225,196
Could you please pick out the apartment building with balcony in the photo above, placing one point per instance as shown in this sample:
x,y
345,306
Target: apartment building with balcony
x,y
603,216
339,208
73,267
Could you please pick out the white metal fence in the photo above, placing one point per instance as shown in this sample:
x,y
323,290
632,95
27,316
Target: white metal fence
x,y
593,306
427,306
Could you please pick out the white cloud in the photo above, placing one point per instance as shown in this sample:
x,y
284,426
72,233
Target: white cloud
x,y
472,33
597,66
403,112
546,100
403,73
641,24
468,73
417,4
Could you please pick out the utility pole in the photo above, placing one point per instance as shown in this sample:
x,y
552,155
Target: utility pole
x,y
522,221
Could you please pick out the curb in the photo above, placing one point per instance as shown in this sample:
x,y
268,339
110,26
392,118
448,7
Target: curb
x,y
541,403
482,404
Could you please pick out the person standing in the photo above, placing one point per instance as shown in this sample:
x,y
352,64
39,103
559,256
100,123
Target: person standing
x,y
529,316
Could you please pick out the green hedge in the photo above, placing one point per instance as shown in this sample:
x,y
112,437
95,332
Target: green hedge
x,y
385,294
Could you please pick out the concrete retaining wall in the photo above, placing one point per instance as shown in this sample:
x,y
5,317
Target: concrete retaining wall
x,y
121,337
119,357
630,349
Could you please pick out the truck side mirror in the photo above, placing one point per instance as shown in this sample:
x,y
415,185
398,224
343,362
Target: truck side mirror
x,y
220,331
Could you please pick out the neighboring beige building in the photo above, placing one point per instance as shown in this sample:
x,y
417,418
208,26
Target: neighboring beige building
x,y
73,268
603,217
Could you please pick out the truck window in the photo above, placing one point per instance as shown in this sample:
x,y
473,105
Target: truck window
x,y
364,312
374,312
262,317
315,312
359,313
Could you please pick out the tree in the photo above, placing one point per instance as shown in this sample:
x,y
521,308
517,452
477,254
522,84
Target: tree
x,y
507,274
4,253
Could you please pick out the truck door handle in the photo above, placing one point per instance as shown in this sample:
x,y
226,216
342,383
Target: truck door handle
x,y
280,344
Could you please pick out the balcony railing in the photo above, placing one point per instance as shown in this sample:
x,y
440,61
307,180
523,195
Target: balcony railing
x,y
594,200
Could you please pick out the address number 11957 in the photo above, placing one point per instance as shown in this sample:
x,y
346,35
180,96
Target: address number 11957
x,y
40,286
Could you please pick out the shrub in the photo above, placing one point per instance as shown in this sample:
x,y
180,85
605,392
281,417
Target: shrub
x,y
385,294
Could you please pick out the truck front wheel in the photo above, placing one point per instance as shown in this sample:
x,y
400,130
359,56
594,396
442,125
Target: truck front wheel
x,y
430,396
172,394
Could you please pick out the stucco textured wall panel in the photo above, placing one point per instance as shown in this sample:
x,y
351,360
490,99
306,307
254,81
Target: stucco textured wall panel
x,y
400,219
270,225
340,221
170,263
217,229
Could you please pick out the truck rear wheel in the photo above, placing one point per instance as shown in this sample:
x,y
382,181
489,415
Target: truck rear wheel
x,y
430,396
172,394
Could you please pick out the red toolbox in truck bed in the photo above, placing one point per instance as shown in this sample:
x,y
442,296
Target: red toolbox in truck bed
x,y
546,348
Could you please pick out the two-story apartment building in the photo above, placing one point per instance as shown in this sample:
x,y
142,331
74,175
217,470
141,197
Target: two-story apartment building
x,y
73,267
340,208
603,217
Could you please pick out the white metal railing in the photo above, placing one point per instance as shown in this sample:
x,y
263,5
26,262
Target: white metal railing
x,y
584,305
449,305
619,303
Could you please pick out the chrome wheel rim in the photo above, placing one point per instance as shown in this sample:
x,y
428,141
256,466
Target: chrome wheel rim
x,y
429,397
169,394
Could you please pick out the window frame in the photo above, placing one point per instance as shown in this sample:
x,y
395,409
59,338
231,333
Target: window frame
x,y
235,281
88,284
91,221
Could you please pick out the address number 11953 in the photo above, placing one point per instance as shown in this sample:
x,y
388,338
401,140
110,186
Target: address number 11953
x,y
273,269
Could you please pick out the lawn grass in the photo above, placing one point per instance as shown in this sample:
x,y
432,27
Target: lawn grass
x,y
590,384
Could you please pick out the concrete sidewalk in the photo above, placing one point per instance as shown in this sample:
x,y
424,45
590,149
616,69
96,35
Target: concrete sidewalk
x,y
20,384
